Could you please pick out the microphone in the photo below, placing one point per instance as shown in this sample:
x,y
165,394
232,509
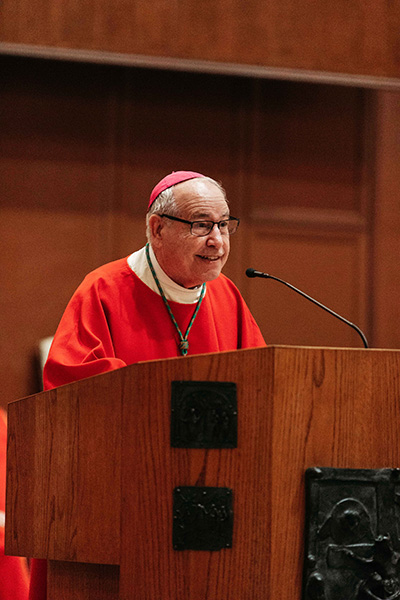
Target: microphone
x,y
254,273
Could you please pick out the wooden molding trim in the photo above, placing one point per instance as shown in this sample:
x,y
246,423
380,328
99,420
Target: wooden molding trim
x,y
201,66
296,216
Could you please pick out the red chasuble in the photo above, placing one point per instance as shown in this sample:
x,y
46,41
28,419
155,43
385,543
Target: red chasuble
x,y
114,320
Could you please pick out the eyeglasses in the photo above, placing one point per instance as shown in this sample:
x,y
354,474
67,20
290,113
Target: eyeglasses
x,y
202,228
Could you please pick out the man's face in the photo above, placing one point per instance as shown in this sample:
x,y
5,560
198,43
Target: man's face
x,y
187,259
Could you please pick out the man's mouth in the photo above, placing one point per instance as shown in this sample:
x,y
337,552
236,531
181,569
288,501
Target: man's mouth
x,y
209,258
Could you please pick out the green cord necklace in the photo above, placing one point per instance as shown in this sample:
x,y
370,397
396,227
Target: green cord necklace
x,y
183,344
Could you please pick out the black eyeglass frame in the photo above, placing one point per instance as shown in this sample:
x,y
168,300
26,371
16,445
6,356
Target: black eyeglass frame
x,y
212,223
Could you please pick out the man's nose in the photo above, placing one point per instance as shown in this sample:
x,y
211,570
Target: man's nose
x,y
215,236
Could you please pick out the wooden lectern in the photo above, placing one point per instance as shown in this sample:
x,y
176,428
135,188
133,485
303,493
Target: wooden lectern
x,y
91,470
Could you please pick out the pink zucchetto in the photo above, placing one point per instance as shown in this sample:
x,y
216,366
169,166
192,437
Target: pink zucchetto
x,y
170,180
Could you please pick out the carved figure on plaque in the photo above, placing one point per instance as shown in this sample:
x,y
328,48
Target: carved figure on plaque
x,y
379,574
353,550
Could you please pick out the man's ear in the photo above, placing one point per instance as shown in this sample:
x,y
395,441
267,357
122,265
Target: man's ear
x,y
156,226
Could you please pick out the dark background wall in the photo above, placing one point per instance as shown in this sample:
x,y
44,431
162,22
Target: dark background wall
x,y
311,169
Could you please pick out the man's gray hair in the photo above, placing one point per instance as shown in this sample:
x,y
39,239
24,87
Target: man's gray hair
x,y
165,203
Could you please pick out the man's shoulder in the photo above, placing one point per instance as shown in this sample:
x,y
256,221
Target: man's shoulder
x,y
108,278
109,271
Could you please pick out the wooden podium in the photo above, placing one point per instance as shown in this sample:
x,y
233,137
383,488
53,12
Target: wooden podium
x,y
91,470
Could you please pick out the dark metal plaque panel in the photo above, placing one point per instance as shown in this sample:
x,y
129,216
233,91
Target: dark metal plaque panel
x,y
202,518
352,534
203,414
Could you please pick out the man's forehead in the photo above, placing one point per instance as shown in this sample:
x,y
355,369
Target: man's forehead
x,y
195,206
199,195
203,212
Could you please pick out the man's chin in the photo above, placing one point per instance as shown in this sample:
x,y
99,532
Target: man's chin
x,y
204,277
212,274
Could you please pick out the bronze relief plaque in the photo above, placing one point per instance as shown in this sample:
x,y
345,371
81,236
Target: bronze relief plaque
x,y
202,518
203,414
352,534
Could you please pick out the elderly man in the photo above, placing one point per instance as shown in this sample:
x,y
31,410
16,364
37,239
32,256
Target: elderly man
x,y
167,299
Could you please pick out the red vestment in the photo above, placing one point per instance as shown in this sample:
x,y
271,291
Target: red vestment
x,y
14,578
114,319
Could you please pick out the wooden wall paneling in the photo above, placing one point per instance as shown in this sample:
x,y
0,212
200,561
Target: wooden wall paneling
x,y
174,121
368,203
328,265
56,169
386,235
338,37
83,145
309,210
307,147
